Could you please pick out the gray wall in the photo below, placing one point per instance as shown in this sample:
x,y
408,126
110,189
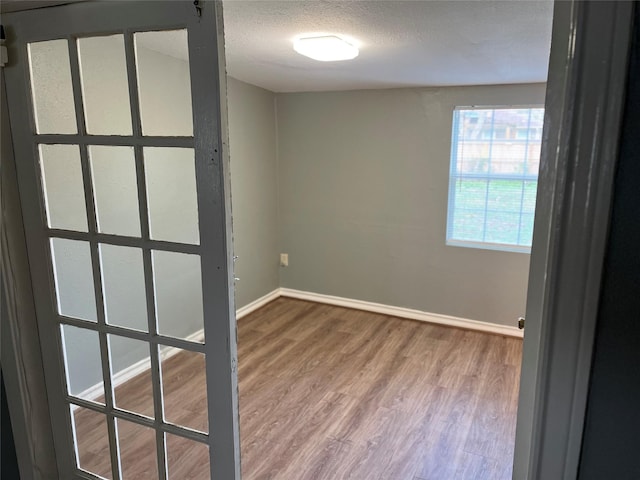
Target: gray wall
x,y
363,201
254,189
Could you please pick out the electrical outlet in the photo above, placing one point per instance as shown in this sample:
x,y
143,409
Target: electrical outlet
x,y
284,259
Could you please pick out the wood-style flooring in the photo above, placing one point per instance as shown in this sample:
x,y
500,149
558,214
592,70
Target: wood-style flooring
x,y
333,393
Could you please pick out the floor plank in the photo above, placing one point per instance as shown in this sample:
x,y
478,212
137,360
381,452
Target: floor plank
x,y
333,393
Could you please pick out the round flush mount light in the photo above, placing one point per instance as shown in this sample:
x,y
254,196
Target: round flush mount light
x,y
325,48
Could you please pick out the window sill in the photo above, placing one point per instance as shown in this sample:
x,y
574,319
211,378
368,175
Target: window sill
x,y
502,247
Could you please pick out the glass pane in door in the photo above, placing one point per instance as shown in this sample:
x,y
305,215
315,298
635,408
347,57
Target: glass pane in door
x,y
73,278
105,89
171,194
123,286
138,459
131,375
82,363
91,441
164,83
177,282
115,189
62,186
184,388
187,459
51,89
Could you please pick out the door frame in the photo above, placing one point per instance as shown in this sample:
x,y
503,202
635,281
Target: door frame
x,y
210,146
584,106
587,77
20,357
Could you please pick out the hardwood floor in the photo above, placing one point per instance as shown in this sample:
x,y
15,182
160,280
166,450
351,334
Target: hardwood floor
x,y
333,393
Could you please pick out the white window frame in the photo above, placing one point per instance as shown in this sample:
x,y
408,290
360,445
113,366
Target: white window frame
x,y
452,242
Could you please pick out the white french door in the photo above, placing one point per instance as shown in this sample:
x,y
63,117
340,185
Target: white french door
x,y
117,124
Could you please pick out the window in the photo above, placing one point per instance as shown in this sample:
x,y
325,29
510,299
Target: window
x,y
495,155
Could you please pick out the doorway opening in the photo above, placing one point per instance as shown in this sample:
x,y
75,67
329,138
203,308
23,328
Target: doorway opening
x,y
388,202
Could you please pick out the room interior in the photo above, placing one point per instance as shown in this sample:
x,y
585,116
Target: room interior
x,y
373,348
359,197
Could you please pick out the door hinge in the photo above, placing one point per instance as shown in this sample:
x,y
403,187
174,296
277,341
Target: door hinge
x,y
521,323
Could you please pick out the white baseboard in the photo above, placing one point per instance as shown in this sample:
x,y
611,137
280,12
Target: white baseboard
x,y
136,369
256,304
141,366
404,313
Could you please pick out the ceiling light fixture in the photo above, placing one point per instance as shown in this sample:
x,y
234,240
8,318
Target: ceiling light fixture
x,y
326,48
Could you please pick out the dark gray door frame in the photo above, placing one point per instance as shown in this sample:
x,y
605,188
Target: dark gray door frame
x,y
20,345
584,105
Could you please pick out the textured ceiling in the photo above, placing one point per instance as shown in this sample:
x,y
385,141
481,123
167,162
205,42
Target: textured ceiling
x,y
402,43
